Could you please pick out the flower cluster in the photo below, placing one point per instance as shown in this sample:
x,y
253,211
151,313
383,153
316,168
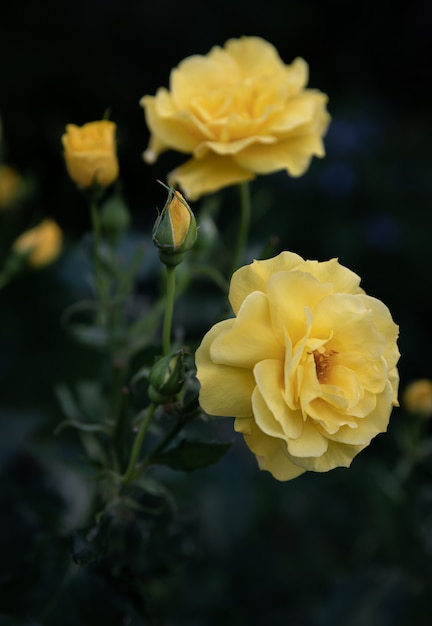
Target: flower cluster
x,y
307,365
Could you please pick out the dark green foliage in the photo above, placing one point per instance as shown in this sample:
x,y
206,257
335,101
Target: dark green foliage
x,y
190,455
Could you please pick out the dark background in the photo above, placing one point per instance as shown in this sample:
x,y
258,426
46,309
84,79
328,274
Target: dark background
x,y
324,549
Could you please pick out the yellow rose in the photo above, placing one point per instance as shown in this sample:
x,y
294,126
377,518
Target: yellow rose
x,y
10,182
90,153
417,397
240,111
42,244
307,365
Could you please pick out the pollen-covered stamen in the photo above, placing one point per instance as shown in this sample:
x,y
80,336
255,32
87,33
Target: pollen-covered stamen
x,y
322,364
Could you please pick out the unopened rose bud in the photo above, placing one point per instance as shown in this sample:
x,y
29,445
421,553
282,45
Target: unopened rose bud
x,y
90,153
167,377
175,230
115,218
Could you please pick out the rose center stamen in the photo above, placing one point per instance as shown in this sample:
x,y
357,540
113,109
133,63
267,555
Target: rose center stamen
x,y
322,364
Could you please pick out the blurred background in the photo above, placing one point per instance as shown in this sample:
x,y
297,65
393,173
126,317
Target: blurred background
x,y
349,547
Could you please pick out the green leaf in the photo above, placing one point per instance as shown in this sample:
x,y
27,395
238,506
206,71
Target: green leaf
x,y
190,455
68,403
82,405
93,336
83,426
156,489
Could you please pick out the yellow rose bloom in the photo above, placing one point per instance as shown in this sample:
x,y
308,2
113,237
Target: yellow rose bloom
x,y
307,366
90,153
42,244
239,111
10,182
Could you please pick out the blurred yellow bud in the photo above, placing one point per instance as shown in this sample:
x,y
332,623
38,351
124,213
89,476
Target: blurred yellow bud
x,y
90,153
417,397
10,182
41,244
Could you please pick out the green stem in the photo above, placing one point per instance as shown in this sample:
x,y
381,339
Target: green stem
x,y
100,284
243,231
169,308
118,410
136,448
161,446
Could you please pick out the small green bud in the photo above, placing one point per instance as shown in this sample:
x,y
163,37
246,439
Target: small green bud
x,y
115,218
167,377
175,229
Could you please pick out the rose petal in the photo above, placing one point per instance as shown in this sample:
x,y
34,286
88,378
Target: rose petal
x,y
311,443
264,418
254,56
328,418
200,176
240,344
269,378
290,293
293,155
376,422
268,450
337,455
386,326
225,390
331,271
254,277
180,130
231,146
296,112
354,328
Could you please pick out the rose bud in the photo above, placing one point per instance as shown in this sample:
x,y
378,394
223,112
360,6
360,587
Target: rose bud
x,y
175,229
90,153
167,377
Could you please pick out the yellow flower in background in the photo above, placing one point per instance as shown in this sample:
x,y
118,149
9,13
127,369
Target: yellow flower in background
x,y
10,182
239,111
90,153
307,366
417,397
41,244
